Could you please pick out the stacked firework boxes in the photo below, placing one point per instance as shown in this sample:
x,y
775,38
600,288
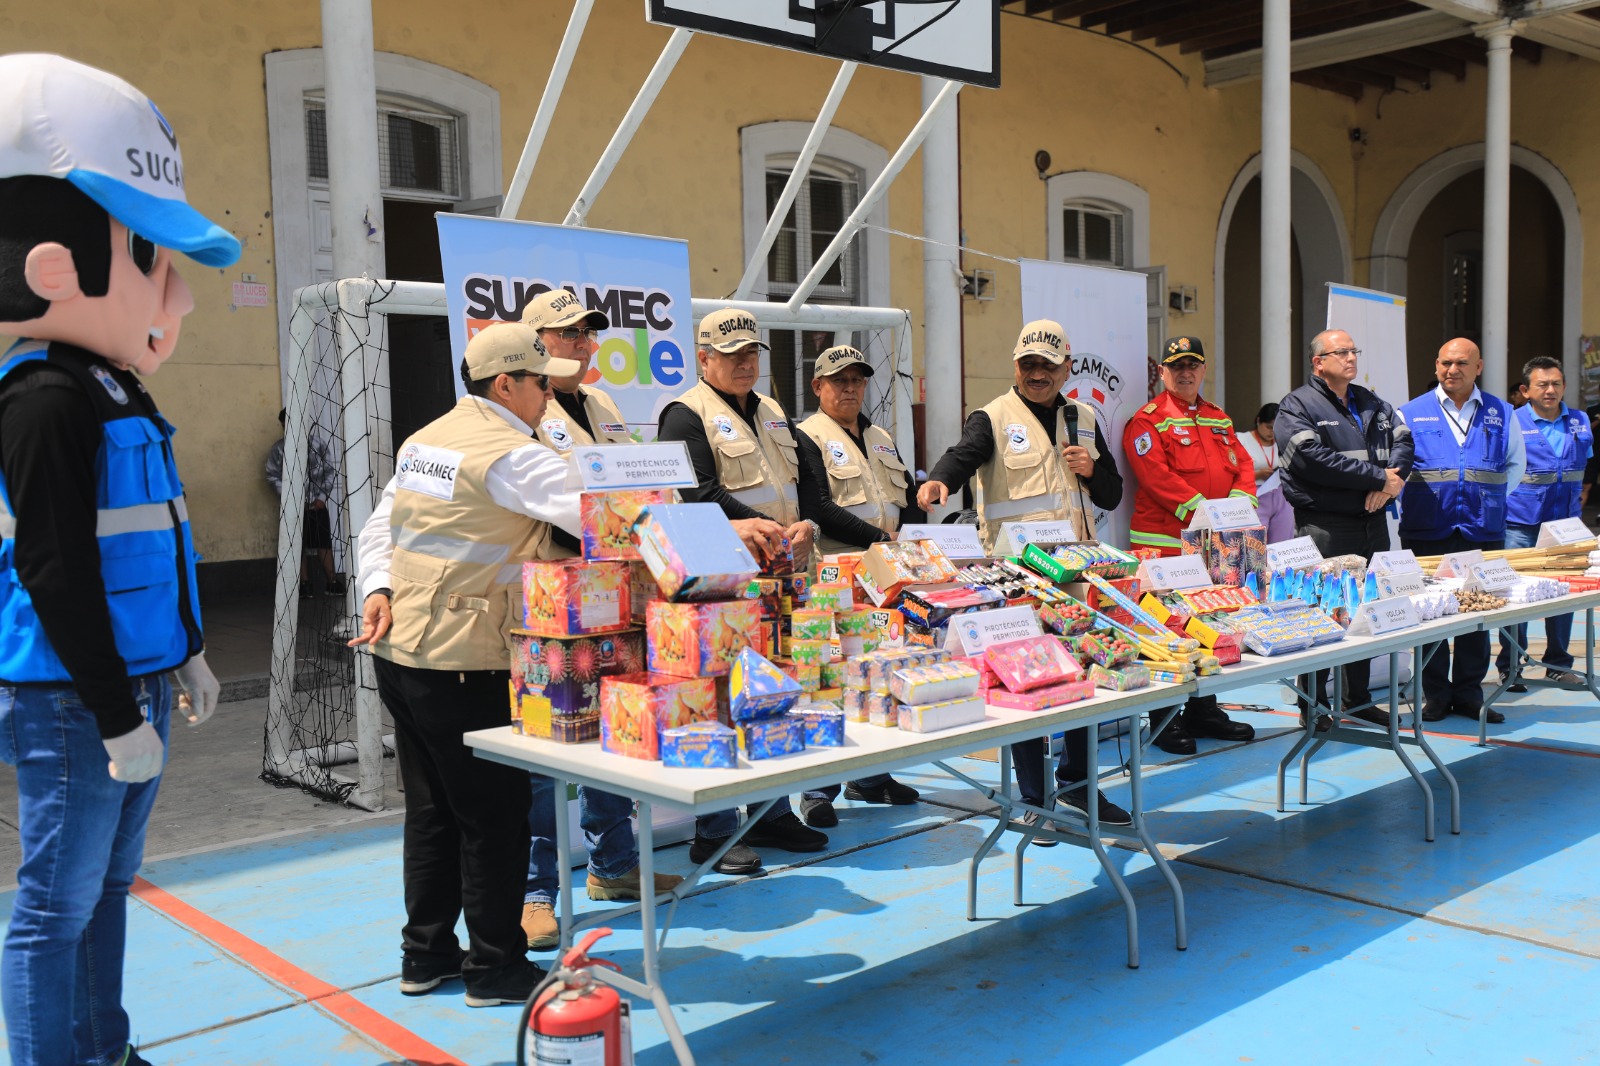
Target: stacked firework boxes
x,y
916,689
1231,556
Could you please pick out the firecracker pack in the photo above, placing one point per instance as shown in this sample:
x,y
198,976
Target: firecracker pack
x,y
934,607
811,624
860,705
635,708
554,678
700,639
1090,557
768,738
693,553
833,597
823,722
1120,678
890,567
946,714
1066,619
700,745
759,689
571,597
1031,662
1040,698
608,518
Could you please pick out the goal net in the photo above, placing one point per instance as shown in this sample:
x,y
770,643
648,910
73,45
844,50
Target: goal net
x,y
326,731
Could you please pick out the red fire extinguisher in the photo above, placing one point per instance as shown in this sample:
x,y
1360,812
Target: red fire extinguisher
x,y
574,1020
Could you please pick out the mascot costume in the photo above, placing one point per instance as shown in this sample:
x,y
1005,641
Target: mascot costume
x,y
97,567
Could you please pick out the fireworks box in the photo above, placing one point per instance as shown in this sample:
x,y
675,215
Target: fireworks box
x,y
889,567
608,519
758,689
635,708
557,678
693,553
571,598
700,639
699,745
768,738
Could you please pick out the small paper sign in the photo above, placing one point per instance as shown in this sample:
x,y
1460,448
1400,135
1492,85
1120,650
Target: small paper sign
x,y
1175,572
1233,512
1491,575
956,541
1014,536
1298,554
1403,561
1377,617
971,633
1563,531
1402,583
664,465
1458,564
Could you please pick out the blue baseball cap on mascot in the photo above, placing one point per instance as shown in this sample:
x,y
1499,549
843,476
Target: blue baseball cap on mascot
x,y
70,121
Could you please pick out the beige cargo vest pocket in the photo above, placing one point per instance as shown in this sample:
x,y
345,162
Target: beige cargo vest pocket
x,y
899,476
846,485
739,464
789,448
416,583
1026,475
512,611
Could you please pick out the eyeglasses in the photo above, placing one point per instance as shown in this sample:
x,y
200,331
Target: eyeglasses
x,y
1342,353
541,380
572,333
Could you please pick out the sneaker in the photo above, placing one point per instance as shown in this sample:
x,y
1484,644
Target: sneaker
x,y
508,984
1077,799
624,887
819,813
739,860
540,925
1563,677
420,974
1516,683
786,833
890,791
1031,819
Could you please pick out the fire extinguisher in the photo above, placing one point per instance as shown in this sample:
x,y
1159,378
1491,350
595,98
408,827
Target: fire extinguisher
x,y
573,1019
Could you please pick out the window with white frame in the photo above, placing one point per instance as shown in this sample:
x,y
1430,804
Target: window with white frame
x,y
418,157
1094,232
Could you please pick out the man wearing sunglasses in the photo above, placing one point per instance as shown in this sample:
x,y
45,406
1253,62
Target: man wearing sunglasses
x,y
582,414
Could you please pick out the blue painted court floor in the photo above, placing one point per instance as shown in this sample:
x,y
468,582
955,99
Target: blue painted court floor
x,y
1330,933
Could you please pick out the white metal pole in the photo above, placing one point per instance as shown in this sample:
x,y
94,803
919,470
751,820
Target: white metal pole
x,y
1277,343
941,278
628,126
1497,207
547,108
870,198
355,194
797,177
905,439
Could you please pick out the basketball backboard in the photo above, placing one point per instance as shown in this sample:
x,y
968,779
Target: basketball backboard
x,y
956,39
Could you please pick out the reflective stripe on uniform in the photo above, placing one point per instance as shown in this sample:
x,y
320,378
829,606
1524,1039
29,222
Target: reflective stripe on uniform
x,y
1552,477
1354,453
1246,496
1155,540
1000,510
114,521
1186,508
755,497
867,512
1478,477
439,546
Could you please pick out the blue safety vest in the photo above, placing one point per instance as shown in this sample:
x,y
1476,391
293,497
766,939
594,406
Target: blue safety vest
x,y
147,555
1456,487
1550,486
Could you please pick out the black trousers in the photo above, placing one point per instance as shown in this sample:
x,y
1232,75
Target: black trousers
x,y
1027,760
466,830
1343,534
1461,688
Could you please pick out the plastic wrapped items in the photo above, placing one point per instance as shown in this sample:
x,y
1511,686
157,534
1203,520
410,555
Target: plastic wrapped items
x,y
701,745
823,722
854,704
874,707
559,677
1435,603
833,673
809,652
700,639
932,717
934,683
1533,589
933,607
986,677
1066,619
572,598
1091,558
1217,598
1285,627
635,708
758,689
871,671
577,730
833,597
1032,662
889,567
607,520
693,553
1119,678
1106,649
857,621
768,738
1040,698
811,624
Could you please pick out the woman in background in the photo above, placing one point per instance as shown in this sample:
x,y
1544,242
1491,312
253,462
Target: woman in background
x,y
1262,447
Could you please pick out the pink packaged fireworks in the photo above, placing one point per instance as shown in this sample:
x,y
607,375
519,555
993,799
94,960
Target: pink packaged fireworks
x,y
1040,698
1032,662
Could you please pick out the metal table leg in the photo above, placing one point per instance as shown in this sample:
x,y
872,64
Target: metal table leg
x,y
1433,757
558,796
1136,792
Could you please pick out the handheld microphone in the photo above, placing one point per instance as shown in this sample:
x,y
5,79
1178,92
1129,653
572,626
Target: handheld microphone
x,y
1070,414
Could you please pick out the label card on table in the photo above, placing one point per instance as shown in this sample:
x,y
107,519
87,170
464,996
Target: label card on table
x,y
1377,617
971,633
1014,536
1298,554
1234,512
1458,564
1402,583
1492,575
956,541
1403,561
1563,531
1175,572
664,465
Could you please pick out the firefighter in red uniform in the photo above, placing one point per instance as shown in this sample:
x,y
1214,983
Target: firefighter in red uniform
x,y
1182,450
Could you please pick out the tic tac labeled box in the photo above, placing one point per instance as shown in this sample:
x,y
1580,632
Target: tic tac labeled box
x,y
693,552
636,708
700,639
571,597
554,678
608,519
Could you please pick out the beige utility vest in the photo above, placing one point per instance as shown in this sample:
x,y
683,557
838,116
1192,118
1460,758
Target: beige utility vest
x,y
1026,479
761,469
869,480
557,431
457,570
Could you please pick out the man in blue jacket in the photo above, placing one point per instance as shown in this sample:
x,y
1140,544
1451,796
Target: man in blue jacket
x,y
1558,442
1467,452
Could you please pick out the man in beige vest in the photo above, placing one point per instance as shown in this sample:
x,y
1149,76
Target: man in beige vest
x,y
582,414
1035,463
473,497
746,459
867,494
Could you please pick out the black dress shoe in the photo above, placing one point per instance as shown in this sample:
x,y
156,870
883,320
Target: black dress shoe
x,y
1324,722
1077,799
1217,726
786,833
890,791
819,813
1375,715
421,974
1031,819
1174,740
1435,710
739,860
1494,716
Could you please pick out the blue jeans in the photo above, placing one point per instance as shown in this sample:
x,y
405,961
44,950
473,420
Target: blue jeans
x,y
607,833
831,792
82,837
1557,630
720,826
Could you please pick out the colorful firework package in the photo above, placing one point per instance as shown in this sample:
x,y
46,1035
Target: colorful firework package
x,y
635,708
699,746
608,517
572,598
642,589
557,679
811,624
693,553
1120,678
1032,662
700,639
768,738
1067,619
860,705
823,722
834,597
758,689
946,714
889,567
934,683
1040,698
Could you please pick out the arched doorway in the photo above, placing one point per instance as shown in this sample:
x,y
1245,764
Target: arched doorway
x,y
1320,253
